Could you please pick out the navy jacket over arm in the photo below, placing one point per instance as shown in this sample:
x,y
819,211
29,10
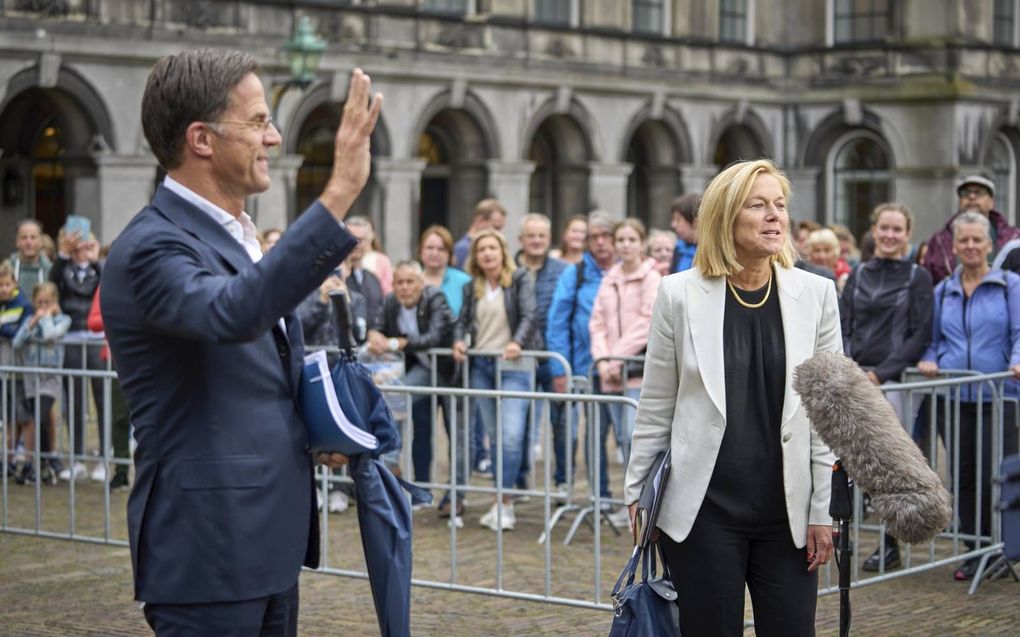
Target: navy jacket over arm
x,y
222,507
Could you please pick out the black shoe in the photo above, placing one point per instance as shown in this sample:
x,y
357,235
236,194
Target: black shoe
x,y
967,569
46,475
27,475
890,560
446,508
119,482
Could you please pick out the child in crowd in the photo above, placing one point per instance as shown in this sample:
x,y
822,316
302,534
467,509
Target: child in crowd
x,y
38,343
14,310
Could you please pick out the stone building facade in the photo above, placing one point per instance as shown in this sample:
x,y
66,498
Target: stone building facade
x,y
556,106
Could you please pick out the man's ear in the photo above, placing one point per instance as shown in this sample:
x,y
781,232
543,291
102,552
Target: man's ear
x,y
198,138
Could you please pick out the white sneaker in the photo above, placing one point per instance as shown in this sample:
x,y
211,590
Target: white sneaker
x,y
98,472
618,458
338,502
77,468
455,521
492,518
620,518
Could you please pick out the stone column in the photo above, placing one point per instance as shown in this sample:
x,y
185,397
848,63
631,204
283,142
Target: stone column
x,y
81,187
607,188
274,208
124,185
400,185
807,202
694,177
510,182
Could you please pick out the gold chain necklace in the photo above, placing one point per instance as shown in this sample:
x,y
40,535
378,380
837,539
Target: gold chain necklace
x,y
751,306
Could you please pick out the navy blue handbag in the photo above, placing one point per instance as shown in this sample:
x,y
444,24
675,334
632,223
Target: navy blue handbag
x,y
645,608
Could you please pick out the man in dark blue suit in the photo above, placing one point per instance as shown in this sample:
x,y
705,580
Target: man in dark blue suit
x,y
209,352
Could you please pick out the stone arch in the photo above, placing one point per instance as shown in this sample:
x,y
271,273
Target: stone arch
x,y
655,147
578,115
314,98
456,137
846,194
311,130
739,134
49,139
561,143
818,144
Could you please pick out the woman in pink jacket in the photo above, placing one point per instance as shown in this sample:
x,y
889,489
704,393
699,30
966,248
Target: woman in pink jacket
x,y
620,320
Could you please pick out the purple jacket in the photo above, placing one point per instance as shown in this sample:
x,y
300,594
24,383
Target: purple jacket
x,y
941,261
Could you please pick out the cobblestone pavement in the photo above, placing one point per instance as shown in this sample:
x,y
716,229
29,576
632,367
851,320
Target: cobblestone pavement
x,y
58,587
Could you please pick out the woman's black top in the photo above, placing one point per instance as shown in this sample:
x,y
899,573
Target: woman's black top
x,y
747,483
886,312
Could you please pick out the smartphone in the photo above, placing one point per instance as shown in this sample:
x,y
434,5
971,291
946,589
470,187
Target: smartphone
x,y
81,225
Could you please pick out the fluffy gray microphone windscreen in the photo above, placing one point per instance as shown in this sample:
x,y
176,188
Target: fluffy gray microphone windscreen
x,y
853,417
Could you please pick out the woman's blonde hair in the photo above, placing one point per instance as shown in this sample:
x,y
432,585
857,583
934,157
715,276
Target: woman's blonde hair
x,y
720,205
472,267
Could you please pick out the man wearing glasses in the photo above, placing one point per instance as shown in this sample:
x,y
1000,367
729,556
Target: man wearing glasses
x,y
209,351
976,194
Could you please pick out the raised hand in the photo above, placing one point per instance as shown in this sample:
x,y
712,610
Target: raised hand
x,y
352,156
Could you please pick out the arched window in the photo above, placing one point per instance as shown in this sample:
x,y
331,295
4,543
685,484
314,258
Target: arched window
x,y
1001,162
859,178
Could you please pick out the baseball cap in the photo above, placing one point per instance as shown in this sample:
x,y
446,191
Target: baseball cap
x,y
977,180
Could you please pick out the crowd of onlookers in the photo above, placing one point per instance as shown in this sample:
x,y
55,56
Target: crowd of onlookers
x,y
949,303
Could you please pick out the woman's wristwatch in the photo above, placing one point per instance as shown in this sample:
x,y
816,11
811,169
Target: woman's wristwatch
x,y
394,344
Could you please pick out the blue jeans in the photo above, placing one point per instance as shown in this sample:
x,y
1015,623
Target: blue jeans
x,y
558,418
514,416
422,418
543,383
623,422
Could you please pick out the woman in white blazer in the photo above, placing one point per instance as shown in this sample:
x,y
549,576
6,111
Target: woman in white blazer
x,y
747,499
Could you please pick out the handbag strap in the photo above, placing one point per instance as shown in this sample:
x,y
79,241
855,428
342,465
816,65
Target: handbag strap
x,y
628,574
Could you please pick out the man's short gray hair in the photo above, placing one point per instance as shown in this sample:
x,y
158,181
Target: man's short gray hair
x,y
536,217
968,218
601,219
412,265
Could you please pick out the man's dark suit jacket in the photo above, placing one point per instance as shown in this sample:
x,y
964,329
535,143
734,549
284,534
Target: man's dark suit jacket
x,y
222,507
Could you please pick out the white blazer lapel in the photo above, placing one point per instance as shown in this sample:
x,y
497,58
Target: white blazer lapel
x,y
706,305
798,323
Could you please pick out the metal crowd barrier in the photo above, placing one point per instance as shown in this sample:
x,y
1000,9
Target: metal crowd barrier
x,y
945,549
10,375
566,495
547,493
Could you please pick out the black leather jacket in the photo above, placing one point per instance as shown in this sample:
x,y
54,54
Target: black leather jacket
x,y
435,325
75,296
519,300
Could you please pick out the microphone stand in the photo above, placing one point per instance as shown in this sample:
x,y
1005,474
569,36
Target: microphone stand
x,y
841,511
